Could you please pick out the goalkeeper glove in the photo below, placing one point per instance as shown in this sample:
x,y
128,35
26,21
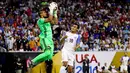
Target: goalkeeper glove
x,y
52,6
55,13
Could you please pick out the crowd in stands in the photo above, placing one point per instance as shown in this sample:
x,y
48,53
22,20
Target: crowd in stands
x,y
104,24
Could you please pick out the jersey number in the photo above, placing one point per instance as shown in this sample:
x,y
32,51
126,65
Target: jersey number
x,y
71,41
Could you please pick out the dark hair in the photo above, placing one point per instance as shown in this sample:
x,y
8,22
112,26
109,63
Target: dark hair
x,y
46,9
77,25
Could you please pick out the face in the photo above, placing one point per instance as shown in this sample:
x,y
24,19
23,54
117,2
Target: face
x,y
43,14
87,58
74,28
125,53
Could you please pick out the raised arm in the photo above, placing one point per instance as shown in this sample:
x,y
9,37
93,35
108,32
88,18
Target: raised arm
x,y
62,39
53,19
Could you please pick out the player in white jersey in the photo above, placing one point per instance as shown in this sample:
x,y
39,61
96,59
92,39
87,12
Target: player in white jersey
x,y
71,43
124,63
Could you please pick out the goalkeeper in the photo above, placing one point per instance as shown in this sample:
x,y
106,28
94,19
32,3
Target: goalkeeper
x,y
48,16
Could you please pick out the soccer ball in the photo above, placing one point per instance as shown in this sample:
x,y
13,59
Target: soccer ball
x,y
54,4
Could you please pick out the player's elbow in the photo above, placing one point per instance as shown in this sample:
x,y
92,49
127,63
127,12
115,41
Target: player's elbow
x,y
54,22
49,19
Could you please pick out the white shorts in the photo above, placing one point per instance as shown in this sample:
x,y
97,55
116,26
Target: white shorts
x,y
68,56
123,68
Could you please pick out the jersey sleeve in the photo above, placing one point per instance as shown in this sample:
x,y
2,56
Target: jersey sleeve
x,y
65,34
78,40
40,23
62,36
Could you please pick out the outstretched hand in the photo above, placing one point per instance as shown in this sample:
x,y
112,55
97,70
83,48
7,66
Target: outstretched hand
x,y
53,6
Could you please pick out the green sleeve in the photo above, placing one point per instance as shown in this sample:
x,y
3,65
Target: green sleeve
x,y
40,23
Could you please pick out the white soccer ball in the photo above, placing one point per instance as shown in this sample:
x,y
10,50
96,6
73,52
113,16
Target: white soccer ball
x,y
53,4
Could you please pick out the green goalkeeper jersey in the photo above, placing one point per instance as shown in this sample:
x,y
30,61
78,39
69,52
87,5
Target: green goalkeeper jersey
x,y
45,41
45,28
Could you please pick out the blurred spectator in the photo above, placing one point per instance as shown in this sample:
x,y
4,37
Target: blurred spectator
x,y
85,34
32,44
86,62
98,68
84,46
113,69
24,42
21,49
10,43
18,41
105,68
37,40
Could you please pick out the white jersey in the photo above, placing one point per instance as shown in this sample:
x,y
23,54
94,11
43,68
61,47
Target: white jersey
x,y
124,60
70,42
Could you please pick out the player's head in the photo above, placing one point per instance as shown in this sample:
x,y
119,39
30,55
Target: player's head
x,y
125,53
74,28
44,12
